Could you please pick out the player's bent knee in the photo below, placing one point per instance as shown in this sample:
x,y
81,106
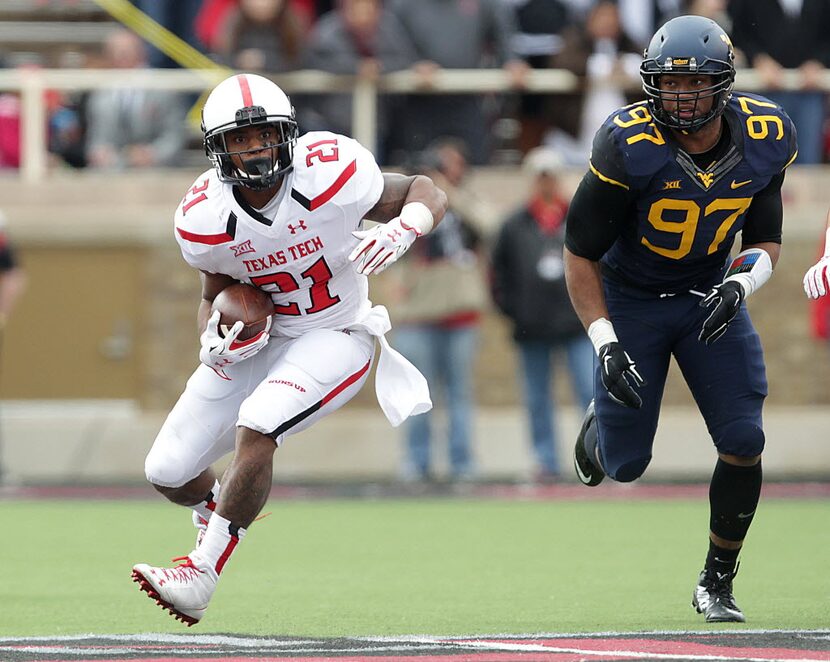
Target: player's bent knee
x,y
630,471
742,439
163,469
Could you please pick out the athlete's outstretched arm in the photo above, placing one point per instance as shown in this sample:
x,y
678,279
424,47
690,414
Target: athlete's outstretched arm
x,y
584,282
408,208
593,225
752,267
816,284
399,190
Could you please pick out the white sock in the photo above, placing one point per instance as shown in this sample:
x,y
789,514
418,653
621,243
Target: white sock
x,y
221,538
204,509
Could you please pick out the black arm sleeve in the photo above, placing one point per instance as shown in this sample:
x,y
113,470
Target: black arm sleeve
x,y
765,215
601,201
595,217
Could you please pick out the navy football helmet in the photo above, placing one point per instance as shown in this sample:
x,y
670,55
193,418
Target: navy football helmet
x,y
688,45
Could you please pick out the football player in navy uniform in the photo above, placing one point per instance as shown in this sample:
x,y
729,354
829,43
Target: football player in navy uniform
x,y
672,181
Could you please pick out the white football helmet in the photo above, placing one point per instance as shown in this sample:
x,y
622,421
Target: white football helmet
x,y
244,100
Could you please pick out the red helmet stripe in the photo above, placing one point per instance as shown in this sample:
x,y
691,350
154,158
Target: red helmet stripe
x,y
247,98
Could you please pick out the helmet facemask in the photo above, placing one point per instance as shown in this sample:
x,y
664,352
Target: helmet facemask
x,y
720,92
261,172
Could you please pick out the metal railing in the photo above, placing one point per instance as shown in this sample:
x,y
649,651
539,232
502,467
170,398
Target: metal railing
x,y
31,85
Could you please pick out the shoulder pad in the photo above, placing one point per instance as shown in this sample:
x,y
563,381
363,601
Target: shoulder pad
x,y
632,132
769,137
332,167
324,163
200,218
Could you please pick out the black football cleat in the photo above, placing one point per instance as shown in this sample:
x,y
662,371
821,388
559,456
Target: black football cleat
x,y
586,468
713,598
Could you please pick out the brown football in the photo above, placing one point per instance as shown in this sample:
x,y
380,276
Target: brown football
x,y
243,302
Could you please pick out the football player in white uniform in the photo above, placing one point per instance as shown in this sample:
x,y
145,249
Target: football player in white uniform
x,y
817,278
285,214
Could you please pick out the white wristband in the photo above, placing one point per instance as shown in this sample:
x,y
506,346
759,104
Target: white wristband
x,y
416,215
751,268
601,332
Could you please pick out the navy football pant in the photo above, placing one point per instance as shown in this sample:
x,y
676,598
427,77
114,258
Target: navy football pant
x,y
727,378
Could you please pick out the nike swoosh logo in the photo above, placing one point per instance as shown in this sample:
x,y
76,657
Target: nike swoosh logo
x,y
735,184
585,479
745,515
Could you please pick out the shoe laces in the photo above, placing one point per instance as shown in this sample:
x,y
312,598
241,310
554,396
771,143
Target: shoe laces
x,y
719,584
184,572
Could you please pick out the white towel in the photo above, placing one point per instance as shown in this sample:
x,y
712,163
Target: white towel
x,y
401,389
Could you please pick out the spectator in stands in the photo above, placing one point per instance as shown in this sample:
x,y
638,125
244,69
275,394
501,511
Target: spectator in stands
x,y
263,35
130,127
67,129
775,35
9,130
438,296
12,284
455,34
528,286
539,38
605,59
359,37
714,9
641,18
213,17
12,278
179,17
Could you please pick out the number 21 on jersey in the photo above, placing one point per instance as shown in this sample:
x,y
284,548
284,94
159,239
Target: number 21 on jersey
x,y
321,298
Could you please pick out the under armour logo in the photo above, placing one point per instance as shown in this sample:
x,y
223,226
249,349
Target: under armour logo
x,y
300,226
241,249
394,235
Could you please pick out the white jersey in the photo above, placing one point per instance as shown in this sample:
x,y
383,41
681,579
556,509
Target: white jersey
x,y
297,246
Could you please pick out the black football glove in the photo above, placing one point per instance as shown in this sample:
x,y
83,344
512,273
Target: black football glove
x,y
724,301
619,375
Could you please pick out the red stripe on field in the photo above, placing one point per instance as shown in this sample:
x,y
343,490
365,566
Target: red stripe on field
x,y
245,87
470,656
616,493
659,647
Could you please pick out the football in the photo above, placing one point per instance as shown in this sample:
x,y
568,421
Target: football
x,y
246,303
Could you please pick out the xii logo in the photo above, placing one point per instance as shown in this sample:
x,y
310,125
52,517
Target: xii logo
x,y
241,249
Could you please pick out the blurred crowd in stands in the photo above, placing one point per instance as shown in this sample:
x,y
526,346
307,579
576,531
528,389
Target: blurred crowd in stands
x,y
514,265
601,41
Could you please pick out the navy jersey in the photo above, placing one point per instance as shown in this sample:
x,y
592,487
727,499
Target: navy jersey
x,y
682,220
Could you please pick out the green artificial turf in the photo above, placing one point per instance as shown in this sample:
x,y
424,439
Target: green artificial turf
x,y
363,567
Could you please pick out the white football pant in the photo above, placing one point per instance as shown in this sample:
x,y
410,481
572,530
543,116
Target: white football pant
x,y
283,389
